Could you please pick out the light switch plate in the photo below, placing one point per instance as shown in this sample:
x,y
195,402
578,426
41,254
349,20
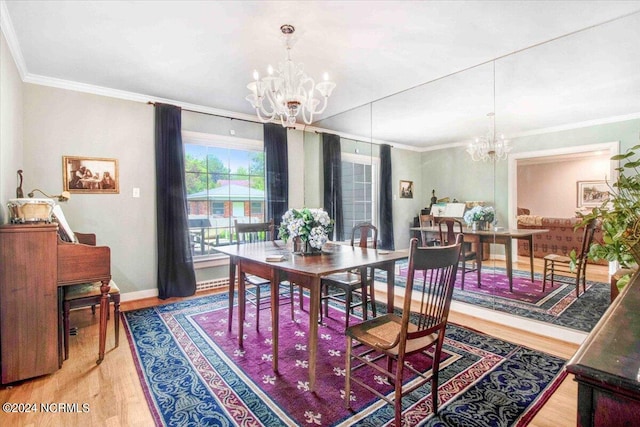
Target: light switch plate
x,y
136,192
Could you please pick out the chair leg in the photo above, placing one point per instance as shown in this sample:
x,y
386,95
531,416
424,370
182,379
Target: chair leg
x,y
464,273
116,317
347,307
372,297
544,276
65,321
258,308
398,392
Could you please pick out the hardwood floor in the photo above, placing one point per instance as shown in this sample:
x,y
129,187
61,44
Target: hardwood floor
x,y
114,396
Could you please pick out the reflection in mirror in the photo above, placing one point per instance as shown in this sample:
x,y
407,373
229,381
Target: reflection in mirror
x,y
576,94
567,106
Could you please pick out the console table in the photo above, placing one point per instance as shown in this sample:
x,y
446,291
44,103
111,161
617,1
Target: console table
x,y
607,365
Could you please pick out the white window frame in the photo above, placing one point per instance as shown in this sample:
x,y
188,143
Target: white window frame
x,y
223,141
375,180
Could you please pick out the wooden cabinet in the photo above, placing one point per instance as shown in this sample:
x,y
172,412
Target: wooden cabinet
x,y
607,365
28,301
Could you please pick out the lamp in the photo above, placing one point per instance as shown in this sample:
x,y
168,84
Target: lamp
x,y
489,147
62,197
290,91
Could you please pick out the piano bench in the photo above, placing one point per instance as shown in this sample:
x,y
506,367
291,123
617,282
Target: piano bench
x,y
88,295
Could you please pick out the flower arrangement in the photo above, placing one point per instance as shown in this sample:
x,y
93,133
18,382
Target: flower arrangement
x,y
312,226
479,214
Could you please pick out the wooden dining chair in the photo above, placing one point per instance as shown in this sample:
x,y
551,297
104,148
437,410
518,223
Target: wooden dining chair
x,y
395,337
350,282
560,265
450,228
257,288
427,221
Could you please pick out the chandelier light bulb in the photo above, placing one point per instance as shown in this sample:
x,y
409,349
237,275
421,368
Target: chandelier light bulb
x,y
287,91
489,148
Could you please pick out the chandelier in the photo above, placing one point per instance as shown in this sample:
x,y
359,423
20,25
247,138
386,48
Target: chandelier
x,y
489,147
290,91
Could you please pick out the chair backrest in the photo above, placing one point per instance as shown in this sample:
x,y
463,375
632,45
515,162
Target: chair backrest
x,y
587,238
254,232
362,232
436,267
450,228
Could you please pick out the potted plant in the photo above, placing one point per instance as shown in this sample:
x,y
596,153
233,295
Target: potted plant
x,y
620,217
479,216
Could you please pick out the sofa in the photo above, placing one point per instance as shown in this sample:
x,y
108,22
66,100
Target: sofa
x,y
560,239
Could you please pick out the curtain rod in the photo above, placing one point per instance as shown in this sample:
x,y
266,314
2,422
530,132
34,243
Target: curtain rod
x,y
212,114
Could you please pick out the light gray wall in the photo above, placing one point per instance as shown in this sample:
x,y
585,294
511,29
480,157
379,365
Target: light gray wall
x,y
11,129
59,123
452,172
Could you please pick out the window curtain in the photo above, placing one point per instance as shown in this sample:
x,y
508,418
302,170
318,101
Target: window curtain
x,y
277,171
386,198
176,276
333,182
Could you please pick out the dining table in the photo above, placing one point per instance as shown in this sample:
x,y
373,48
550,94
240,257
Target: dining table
x,y
274,260
499,236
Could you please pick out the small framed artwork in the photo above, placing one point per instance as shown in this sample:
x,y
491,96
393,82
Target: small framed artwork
x,y
90,175
406,189
592,193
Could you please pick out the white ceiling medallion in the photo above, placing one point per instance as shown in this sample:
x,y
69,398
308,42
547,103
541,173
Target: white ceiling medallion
x,y
290,92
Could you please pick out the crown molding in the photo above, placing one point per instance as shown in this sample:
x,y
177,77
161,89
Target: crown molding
x,y
12,39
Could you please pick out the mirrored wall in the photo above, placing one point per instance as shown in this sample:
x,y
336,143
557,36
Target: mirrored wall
x,y
565,106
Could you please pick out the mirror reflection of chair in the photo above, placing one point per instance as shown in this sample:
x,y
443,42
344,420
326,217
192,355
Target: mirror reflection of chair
x,y
559,265
450,228
350,282
426,222
257,288
402,338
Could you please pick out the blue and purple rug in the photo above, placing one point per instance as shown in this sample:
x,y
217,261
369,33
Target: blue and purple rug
x,y
557,306
193,373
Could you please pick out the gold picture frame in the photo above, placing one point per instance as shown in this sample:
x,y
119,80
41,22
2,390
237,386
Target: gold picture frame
x,y
592,193
90,175
406,189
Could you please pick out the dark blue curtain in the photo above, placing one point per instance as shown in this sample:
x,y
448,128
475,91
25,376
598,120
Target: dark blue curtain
x,y
176,276
333,182
277,171
386,198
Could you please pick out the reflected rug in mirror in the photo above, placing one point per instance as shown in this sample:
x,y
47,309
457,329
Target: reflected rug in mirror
x,y
557,305
193,373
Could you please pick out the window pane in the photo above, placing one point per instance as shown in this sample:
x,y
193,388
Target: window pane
x,y
222,184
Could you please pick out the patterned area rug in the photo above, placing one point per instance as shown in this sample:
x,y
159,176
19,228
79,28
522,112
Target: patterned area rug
x,y
557,305
194,373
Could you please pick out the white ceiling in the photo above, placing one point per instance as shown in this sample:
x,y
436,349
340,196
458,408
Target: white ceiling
x,y
201,54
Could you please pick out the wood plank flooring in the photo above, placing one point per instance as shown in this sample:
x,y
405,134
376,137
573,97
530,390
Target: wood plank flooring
x,y
115,398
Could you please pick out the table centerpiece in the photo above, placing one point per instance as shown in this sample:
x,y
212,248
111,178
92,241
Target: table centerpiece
x,y
308,228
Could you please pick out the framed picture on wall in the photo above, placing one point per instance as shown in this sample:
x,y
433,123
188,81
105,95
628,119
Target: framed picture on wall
x,y
90,175
406,189
592,193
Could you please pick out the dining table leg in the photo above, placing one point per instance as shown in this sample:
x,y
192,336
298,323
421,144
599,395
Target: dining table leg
x,y
232,280
314,310
241,304
530,241
275,316
509,259
391,284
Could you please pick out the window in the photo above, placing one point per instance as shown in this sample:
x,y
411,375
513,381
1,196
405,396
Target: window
x,y
225,182
359,190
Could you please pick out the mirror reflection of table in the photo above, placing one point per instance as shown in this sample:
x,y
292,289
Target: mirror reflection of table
x,y
305,271
501,237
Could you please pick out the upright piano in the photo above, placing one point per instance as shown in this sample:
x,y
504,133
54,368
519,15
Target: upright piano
x,y
36,263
